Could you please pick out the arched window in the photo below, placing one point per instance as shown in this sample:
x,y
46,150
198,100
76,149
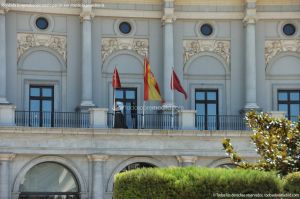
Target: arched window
x,y
137,165
49,180
227,166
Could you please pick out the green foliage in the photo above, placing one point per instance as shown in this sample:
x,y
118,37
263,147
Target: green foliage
x,y
292,183
192,183
277,142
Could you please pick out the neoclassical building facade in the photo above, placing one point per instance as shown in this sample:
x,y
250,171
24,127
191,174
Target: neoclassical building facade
x,y
56,64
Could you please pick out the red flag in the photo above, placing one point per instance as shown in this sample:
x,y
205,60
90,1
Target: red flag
x,y
151,89
175,84
116,79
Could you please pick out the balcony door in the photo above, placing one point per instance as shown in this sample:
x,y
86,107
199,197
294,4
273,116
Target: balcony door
x,y
289,102
41,105
206,106
126,99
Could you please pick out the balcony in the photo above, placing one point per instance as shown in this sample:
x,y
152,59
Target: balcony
x,y
100,118
52,119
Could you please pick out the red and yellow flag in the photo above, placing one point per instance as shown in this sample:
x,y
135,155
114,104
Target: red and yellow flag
x,y
151,89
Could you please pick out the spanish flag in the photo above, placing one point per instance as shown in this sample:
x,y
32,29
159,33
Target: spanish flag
x,y
151,89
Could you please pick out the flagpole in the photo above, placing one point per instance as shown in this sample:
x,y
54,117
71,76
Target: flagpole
x,y
172,79
143,116
114,108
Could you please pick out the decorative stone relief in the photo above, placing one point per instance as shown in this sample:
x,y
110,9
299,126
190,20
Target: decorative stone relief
x,y
55,42
195,47
111,45
275,47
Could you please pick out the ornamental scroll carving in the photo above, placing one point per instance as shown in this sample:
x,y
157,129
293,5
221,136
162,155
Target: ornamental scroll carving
x,y
195,47
275,47
111,45
55,42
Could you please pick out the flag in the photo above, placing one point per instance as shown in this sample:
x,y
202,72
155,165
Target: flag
x,y
116,79
151,89
175,84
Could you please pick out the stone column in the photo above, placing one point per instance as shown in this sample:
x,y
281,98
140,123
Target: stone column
x,y
168,20
250,56
87,67
186,161
5,184
3,99
98,162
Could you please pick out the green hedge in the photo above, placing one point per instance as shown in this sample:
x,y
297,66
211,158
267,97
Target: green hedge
x,y
192,183
292,183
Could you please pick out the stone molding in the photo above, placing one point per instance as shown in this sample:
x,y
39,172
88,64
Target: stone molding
x,y
7,156
275,47
112,45
195,47
169,16
98,157
58,43
187,159
87,13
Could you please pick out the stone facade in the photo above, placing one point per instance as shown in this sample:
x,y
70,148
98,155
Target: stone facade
x,y
247,59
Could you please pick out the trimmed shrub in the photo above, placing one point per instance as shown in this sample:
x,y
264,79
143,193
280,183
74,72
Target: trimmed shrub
x,y
193,183
292,183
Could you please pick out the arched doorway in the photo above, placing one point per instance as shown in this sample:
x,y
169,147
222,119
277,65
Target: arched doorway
x,y
49,180
137,165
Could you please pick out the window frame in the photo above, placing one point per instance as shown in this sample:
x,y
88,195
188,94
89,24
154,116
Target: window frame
x,y
288,102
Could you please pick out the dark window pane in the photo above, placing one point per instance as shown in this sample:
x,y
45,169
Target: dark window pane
x,y
282,96
294,110
289,29
34,105
35,92
211,109
125,27
211,95
130,94
294,96
200,108
206,29
283,107
42,23
200,96
47,92
119,94
47,105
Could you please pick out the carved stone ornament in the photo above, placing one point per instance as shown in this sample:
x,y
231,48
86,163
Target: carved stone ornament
x,y
55,42
195,47
111,45
275,47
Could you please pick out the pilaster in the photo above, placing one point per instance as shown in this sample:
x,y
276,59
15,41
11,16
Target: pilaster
x,y
5,184
86,17
250,56
3,99
98,162
167,20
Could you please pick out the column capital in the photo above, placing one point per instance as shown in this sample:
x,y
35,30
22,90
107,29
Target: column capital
x,y
250,16
87,13
169,16
7,156
187,159
98,157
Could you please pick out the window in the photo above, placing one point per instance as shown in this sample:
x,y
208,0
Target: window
x,y
126,100
289,29
206,106
41,105
125,27
49,180
137,165
289,101
206,29
42,23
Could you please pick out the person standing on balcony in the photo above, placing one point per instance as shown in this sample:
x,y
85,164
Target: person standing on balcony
x,y
133,115
119,118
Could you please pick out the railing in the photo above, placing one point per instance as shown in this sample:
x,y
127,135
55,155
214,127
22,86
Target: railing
x,y
138,121
220,122
52,119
